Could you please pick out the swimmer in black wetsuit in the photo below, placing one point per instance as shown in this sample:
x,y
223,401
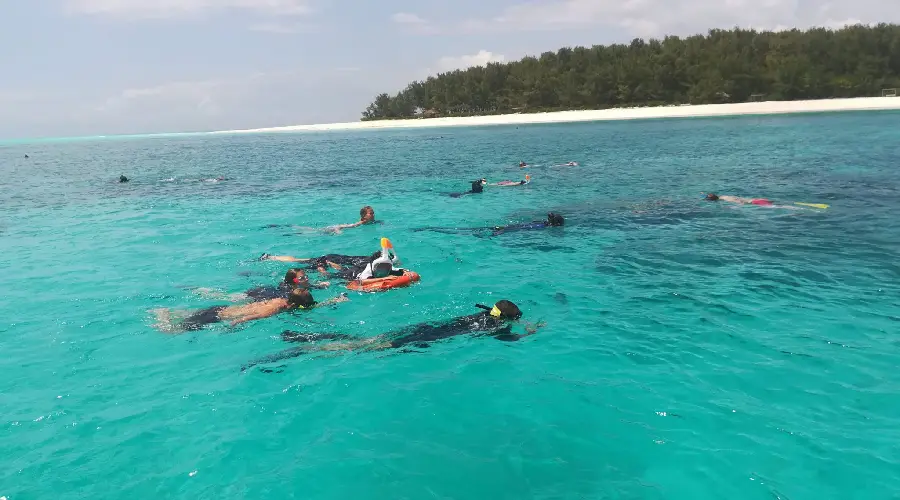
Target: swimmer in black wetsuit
x,y
477,187
297,299
553,220
332,261
494,322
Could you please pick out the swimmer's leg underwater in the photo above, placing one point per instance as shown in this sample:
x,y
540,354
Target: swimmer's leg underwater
x,y
350,343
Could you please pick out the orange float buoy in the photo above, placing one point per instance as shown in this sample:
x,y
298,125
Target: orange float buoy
x,y
386,283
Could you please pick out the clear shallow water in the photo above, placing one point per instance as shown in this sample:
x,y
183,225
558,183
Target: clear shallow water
x,y
692,350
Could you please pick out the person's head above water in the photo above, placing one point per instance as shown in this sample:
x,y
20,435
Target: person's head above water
x,y
122,178
712,197
503,309
300,298
555,219
478,186
380,269
366,214
295,276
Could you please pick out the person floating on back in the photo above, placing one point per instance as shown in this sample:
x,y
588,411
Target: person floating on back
x,y
762,202
496,322
326,263
514,183
299,298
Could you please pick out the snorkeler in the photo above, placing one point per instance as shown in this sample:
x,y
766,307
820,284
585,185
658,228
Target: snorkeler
x,y
123,179
382,263
513,183
522,164
477,187
298,299
333,261
494,321
738,200
763,202
553,220
294,278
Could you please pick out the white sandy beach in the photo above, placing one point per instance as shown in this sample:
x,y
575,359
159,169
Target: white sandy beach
x,y
684,111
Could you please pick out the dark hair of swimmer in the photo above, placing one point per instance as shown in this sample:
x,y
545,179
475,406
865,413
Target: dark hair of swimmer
x,y
122,178
367,213
301,298
555,219
293,275
712,197
478,186
507,310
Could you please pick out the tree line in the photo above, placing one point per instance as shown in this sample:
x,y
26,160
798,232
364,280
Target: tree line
x,y
724,66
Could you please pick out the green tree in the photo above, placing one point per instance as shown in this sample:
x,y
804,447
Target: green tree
x,y
722,66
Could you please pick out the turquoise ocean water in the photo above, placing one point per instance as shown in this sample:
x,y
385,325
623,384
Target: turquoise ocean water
x,y
692,350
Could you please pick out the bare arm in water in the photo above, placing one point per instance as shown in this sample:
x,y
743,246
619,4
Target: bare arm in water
x,y
256,310
735,199
284,258
260,310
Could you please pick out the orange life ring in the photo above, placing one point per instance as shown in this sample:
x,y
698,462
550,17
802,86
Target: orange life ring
x,y
382,284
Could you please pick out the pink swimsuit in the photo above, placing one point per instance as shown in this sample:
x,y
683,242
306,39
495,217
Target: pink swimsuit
x,y
761,201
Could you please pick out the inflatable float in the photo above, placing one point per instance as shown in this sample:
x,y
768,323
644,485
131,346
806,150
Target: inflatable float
x,y
382,284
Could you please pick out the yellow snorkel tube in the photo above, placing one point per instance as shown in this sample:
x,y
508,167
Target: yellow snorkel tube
x,y
494,311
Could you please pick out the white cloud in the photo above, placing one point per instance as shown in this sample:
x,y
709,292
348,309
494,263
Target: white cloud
x,y
175,8
660,17
407,18
462,62
281,28
415,23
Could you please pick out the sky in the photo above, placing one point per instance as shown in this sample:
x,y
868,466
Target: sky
x,y
98,67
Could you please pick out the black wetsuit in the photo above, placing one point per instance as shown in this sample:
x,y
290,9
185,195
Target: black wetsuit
x,y
281,291
538,224
494,231
482,323
419,336
477,187
351,265
202,317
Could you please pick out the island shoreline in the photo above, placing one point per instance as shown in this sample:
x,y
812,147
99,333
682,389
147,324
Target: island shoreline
x,y
613,114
